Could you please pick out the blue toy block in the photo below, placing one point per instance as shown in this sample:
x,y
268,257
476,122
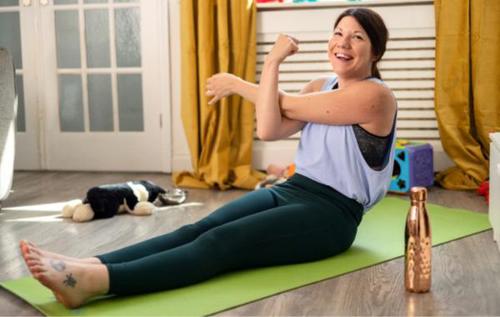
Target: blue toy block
x,y
413,166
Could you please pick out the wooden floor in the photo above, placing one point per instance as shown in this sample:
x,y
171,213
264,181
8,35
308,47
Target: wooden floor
x,y
466,272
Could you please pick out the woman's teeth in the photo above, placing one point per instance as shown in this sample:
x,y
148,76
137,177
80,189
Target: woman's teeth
x,y
343,57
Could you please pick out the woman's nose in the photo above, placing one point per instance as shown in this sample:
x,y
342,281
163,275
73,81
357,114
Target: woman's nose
x,y
343,42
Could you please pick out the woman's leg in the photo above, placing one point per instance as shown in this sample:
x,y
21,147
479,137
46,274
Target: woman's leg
x,y
288,234
248,204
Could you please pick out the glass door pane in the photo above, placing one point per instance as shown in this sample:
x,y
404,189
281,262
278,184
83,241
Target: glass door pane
x,y
128,37
100,102
67,39
97,38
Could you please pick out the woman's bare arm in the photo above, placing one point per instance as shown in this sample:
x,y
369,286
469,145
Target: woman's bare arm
x,y
224,84
364,102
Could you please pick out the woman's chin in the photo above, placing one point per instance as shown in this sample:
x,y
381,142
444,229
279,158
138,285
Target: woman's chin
x,y
341,69
340,72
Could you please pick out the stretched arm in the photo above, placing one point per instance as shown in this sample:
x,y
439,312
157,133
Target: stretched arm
x,y
271,125
363,102
224,84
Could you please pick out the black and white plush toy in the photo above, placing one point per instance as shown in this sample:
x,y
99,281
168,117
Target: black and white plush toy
x,y
105,201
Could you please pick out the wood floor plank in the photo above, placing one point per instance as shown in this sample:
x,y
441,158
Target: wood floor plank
x,y
466,272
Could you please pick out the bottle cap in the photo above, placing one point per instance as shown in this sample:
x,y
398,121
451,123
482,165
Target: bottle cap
x,y
418,193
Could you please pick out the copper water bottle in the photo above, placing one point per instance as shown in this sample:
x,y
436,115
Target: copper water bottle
x,y
418,244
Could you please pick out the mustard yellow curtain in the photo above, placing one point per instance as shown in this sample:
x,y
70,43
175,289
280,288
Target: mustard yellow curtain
x,y
217,36
467,88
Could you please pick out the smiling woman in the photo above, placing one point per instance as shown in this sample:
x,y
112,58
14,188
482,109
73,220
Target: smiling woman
x,y
313,215
353,114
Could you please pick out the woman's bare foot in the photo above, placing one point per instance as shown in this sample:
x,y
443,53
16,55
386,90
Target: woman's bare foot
x,y
72,283
28,247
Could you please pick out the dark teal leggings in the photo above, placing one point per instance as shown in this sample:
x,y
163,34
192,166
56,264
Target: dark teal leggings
x,y
298,221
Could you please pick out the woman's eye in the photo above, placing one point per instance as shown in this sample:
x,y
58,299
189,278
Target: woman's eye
x,y
337,33
358,37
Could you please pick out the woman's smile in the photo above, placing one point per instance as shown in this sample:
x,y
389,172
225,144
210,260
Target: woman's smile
x,y
343,57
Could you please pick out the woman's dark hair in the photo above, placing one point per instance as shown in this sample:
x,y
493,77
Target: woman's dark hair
x,y
375,27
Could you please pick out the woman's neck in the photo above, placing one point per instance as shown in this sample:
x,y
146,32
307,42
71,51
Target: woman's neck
x,y
346,81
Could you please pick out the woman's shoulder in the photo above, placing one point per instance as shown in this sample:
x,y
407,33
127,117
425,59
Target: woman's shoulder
x,y
374,86
318,84
379,83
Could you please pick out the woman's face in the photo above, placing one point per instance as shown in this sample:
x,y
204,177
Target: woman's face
x,y
350,50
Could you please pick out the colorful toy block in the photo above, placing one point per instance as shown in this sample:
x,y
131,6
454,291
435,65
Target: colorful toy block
x,y
413,166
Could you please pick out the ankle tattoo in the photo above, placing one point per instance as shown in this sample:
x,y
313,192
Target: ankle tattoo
x,y
70,280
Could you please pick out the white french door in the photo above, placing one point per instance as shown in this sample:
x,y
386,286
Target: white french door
x,y
102,84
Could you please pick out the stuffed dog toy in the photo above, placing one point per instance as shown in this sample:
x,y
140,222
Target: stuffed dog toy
x,y
105,201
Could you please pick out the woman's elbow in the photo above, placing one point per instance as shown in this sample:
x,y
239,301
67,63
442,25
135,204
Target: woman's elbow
x,y
266,135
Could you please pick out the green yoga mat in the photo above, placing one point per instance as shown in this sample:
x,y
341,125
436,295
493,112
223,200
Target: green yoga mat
x,y
380,238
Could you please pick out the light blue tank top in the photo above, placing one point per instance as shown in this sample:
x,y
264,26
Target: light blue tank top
x,y
329,154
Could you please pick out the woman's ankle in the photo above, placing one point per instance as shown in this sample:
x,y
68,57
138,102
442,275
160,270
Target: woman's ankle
x,y
98,278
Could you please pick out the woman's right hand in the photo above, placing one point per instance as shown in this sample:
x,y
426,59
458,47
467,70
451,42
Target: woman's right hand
x,y
219,86
284,46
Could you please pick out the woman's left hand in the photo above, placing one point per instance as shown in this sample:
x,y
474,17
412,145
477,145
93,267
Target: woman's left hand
x,y
219,86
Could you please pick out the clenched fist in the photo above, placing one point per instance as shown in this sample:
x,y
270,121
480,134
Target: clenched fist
x,y
284,46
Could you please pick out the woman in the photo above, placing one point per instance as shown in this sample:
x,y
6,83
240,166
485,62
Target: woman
x,y
344,166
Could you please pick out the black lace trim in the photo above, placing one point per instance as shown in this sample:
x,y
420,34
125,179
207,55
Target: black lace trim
x,y
374,148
